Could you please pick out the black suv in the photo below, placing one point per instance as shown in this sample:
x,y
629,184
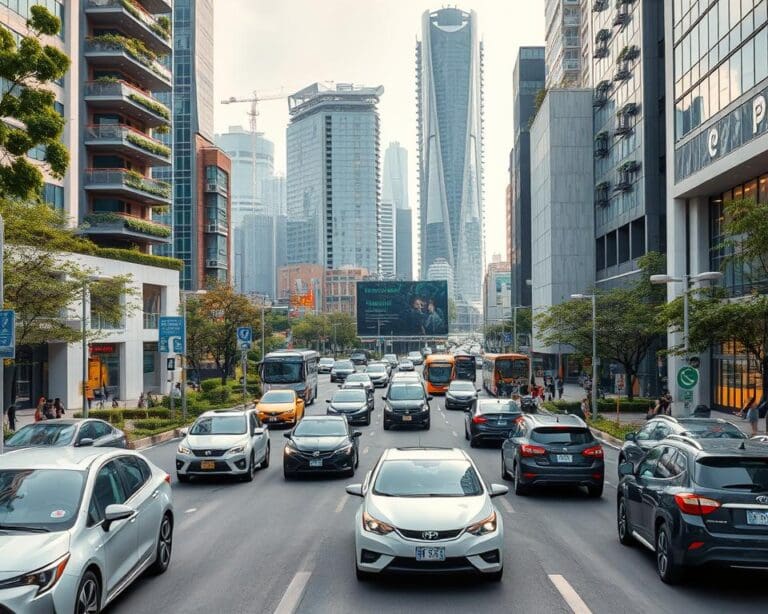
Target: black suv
x,y
660,427
359,358
547,449
406,404
697,501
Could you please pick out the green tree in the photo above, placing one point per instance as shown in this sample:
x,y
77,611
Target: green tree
x,y
628,323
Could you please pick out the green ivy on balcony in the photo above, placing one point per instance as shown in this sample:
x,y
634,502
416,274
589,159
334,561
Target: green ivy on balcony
x,y
162,29
152,105
148,144
133,47
140,182
131,223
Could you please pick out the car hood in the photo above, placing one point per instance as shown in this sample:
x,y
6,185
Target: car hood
x,y
407,404
343,369
429,513
349,406
376,374
24,552
218,442
275,408
462,395
322,444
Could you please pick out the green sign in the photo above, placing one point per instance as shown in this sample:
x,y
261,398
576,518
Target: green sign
x,y
687,396
687,378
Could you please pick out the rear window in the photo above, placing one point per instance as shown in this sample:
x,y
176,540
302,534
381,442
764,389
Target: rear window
x,y
734,473
566,436
713,430
494,407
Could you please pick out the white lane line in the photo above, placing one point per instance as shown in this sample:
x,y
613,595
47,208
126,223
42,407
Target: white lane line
x,y
607,483
570,596
372,433
507,506
340,505
365,450
191,510
454,433
293,593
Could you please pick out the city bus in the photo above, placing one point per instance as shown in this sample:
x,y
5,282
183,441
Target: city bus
x,y
507,369
466,367
439,371
291,369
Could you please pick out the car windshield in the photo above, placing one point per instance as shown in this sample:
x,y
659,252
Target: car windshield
x,y
736,473
376,369
219,425
439,373
326,361
281,372
42,434
407,392
39,499
390,357
320,428
278,396
566,436
414,354
343,364
427,478
461,387
350,396
358,377
712,430
499,407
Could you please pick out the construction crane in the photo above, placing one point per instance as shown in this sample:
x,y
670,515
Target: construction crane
x,y
254,100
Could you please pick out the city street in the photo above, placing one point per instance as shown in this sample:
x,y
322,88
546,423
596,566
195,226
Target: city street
x,y
273,546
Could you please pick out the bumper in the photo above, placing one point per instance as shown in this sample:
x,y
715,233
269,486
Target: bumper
x,y
749,551
534,474
23,599
484,433
287,419
418,419
323,370
236,464
297,463
458,403
380,383
358,417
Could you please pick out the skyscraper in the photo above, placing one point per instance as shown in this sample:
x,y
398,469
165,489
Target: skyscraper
x,y
395,190
449,68
333,176
386,240
562,26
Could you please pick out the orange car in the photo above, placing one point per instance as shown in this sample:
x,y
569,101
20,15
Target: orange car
x,y
280,407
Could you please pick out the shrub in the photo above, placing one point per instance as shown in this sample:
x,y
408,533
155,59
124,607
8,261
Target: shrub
x,y
209,384
218,395
618,430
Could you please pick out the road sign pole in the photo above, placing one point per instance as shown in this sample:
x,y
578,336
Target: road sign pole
x,y
244,358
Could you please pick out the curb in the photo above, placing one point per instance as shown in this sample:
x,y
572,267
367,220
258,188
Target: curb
x,y
146,442
607,439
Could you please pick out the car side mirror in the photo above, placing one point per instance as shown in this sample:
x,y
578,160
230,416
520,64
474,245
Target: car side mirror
x,y
626,469
258,431
429,398
85,442
630,437
498,489
356,434
287,435
183,432
355,490
116,512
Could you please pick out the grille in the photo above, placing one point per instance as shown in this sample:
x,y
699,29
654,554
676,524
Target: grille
x,y
441,535
450,564
205,453
312,454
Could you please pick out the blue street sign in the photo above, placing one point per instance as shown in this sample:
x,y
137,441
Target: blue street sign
x,y
244,337
507,337
171,328
7,333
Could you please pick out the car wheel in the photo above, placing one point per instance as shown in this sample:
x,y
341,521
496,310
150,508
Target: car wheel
x,y
504,472
182,478
495,576
164,547
472,442
622,524
669,571
88,595
466,433
595,491
520,488
265,462
426,425
248,477
386,425
368,420
287,474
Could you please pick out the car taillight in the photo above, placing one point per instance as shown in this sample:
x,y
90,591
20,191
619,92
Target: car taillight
x,y
690,503
167,478
594,452
479,419
529,450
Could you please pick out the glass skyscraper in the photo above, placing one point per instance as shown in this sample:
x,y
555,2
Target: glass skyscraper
x,y
449,61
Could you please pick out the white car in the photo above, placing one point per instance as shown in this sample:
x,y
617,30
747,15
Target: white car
x,y
426,510
224,442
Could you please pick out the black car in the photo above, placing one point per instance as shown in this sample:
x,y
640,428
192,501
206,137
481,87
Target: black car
x,y
491,420
67,432
352,403
359,358
461,394
697,501
406,404
550,449
341,369
320,444
637,444
325,365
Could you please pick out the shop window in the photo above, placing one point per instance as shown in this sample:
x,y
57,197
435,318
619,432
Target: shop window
x,y
623,243
610,249
637,237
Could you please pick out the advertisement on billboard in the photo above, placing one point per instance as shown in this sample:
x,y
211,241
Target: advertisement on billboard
x,y
402,308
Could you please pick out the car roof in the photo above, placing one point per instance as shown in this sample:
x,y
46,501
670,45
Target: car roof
x,y
76,459
719,447
555,420
426,453
223,412
320,418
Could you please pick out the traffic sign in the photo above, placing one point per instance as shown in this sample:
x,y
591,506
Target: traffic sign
x,y
171,335
507,337
170,364
244,337
687,378
7,333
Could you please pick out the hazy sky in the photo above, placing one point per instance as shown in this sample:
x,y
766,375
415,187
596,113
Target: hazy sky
x,y
266,45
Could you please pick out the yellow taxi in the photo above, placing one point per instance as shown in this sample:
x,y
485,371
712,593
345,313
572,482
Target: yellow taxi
x,y
280,407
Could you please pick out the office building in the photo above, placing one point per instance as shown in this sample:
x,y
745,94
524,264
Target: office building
x,y
301,287
404,237
717,151
449,77
340,290
528,80
387,240
395,190
562,26
497,291
333,176
441,269
212,234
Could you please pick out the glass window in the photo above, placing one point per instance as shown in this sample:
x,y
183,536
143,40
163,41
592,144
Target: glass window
x,y
735,74
562,436
425,478
737,473
712,20
321,427
647,467
219,425
107,490
735,13
42,498
722,18
761,54
134,475
724,77
763,196
748,66
670,464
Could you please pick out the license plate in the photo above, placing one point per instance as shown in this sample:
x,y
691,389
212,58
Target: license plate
x,y
315,462
429,553
273,419
757,517
207,464
565,458
407,418
501,423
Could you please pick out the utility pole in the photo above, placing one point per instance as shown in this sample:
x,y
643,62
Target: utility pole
x,y
2,361
84,324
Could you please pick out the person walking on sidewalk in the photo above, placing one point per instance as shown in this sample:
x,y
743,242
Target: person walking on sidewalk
x,y
58,408
560,388
12,418
753,415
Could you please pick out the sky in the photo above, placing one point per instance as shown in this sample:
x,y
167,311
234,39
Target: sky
x,y
269,45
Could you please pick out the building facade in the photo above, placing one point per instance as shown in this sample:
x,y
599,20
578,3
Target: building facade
x,y
395,190
449,83
387,256
440,270
404,236
562,26
333,176
301,287
213,233
340,291
497,292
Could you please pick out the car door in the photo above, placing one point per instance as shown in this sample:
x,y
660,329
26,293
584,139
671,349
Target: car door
x,y
144,497
508,447
120,543
87,431
258,441
103,434
635,450
640,496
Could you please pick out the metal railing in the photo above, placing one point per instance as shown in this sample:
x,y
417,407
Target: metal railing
x,y
124,90
121,132
129,179
109,46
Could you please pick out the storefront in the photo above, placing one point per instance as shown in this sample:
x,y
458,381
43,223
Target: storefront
x,y
104,371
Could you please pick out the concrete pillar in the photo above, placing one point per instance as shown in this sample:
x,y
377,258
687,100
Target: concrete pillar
x,y
677,265
698,239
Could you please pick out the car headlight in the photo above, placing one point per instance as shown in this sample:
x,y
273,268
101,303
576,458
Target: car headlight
x,y
374,525
290,448
425,407
235,450
487,525
184,450
347,449
44,578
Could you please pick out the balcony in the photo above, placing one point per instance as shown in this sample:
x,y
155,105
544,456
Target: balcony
x,y
601,51
219,228
133,20
114,95
601,94
129,55
128,184
125,227
158,6
599,5
122,139
601,145
151,320
602,194
622,72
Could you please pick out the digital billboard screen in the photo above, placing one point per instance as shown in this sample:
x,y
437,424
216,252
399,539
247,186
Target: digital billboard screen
x,y
402,308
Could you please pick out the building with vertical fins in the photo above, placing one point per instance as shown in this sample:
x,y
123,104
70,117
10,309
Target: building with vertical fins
x,y
449,77
395,190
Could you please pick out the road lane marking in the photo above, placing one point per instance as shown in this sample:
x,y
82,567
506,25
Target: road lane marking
x,y
372,433
365,450
507,506
191,510
293,593
340,505
454,433
607,483
569,594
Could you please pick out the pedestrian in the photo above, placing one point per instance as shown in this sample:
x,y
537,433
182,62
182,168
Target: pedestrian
x,y
653,409
560,388
551,389
176,391
743,411
583,409
39,410
12,418
753,414
48,412
142,402
58,407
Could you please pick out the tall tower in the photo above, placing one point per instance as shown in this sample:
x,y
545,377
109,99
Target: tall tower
x,y
395,191
449,65
562,25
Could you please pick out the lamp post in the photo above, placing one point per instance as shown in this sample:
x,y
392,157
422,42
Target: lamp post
x,y
334,325
593,297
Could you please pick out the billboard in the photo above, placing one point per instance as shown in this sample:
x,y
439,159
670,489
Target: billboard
x,y
402,308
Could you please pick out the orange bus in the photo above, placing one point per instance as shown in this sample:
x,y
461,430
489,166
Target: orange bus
x,y
507,369
439,371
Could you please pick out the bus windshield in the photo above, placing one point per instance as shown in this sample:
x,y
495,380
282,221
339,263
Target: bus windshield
x,y
509,368
439,373
281,372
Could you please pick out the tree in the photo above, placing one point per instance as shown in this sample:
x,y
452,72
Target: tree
x,y
311,329
628,323
30,119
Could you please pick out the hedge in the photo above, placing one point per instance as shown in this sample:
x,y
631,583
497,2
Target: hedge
x,y
114,416
618,430
606,406
207,385
219,394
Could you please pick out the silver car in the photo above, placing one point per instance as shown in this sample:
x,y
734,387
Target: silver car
x,y
224,442
78,525
67,432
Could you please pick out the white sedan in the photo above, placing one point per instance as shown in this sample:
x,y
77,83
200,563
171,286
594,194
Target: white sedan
x,y
427,511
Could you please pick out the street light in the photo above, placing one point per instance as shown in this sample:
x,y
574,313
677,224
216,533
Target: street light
x,y
593,297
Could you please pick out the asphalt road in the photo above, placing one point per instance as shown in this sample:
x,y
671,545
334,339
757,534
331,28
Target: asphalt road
x,y
271,546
